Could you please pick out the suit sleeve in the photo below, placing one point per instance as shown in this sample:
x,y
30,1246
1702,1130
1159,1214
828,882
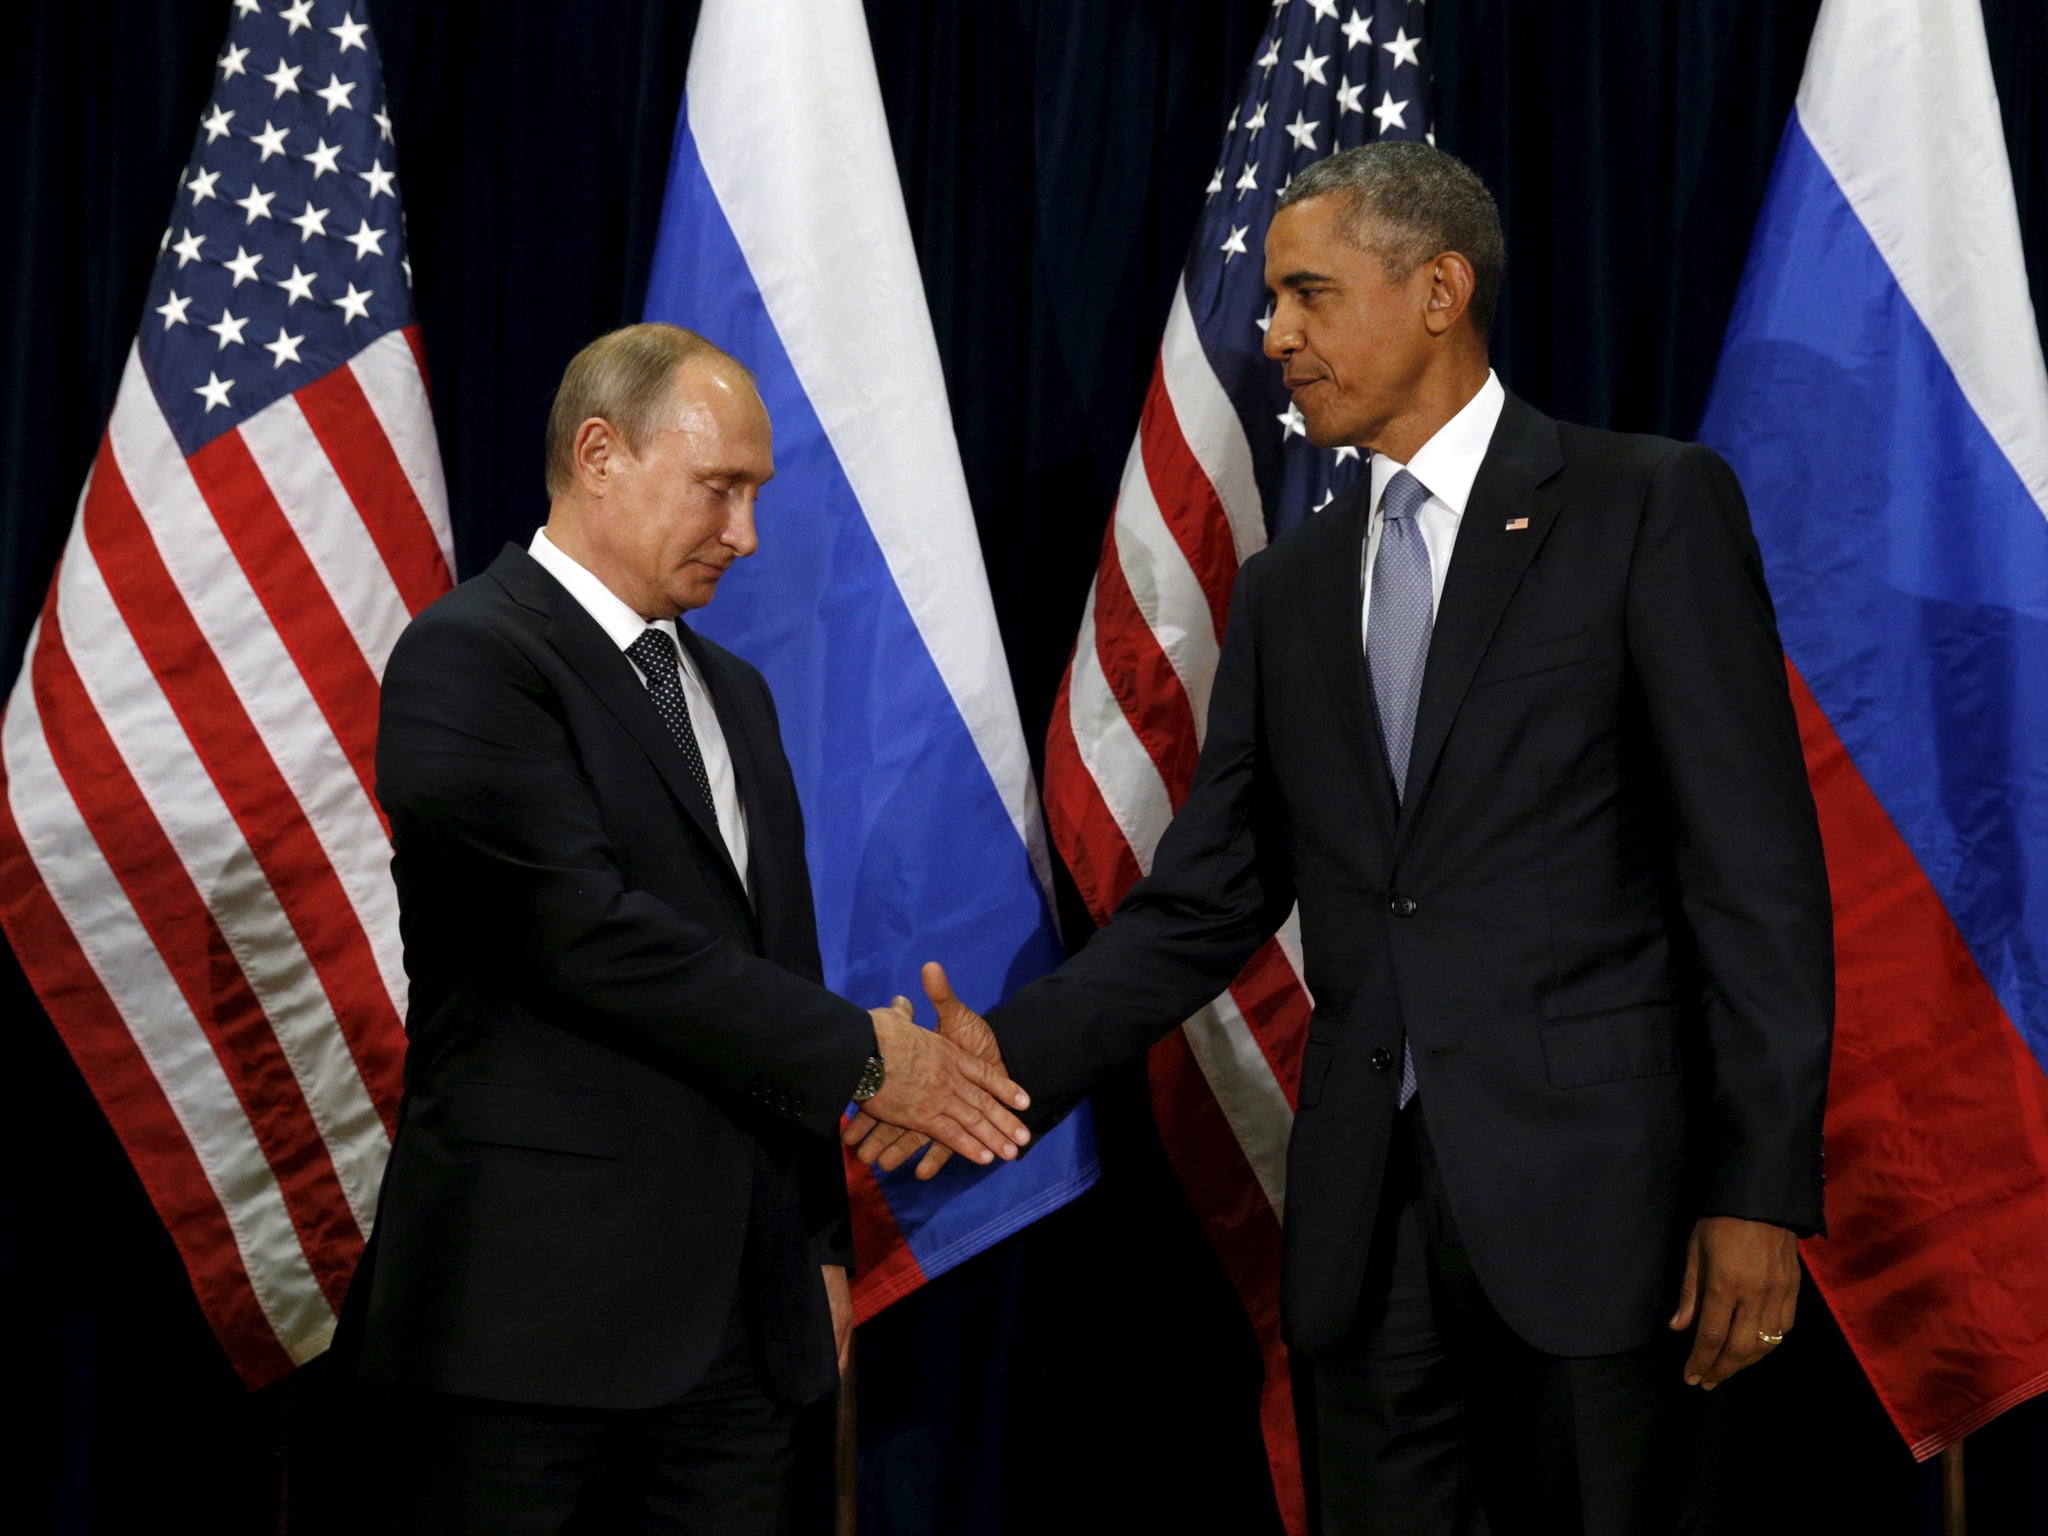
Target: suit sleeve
x,y
820,1166
1705,655
1219,887
477,772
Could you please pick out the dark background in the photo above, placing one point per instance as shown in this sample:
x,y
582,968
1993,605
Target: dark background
x,y
1093,1374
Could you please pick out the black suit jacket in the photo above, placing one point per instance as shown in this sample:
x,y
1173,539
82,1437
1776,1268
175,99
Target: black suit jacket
x,y
622,1078
1601,912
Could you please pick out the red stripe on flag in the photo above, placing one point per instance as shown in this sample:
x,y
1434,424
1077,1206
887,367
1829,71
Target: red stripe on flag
x,y
1204,1149
362,456
297,601
1087,836
1197,1134
269,816
1246,1235
193,950
98,1039
1937,1135
1270,996
417,340
885,1268
1147,688
1187,501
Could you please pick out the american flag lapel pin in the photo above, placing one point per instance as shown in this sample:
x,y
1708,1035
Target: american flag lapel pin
x,y
1516,525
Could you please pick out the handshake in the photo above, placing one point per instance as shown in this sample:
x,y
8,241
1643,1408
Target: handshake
x,y
944,1092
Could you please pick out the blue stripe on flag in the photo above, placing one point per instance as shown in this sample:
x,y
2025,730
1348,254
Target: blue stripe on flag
x,y
1909,563
965,1209
913,854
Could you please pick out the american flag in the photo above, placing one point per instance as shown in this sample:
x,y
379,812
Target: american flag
x,y
1220,466
194,871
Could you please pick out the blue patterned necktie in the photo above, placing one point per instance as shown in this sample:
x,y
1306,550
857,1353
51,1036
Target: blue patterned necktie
x,y
655,655
1397,629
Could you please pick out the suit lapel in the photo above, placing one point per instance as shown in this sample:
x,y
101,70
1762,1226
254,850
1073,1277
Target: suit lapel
x,y
1335,604
739,721
1506,520
579,641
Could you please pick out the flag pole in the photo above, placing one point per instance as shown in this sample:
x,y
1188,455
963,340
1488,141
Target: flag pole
x,y
846,1449
1954,1521
288,1442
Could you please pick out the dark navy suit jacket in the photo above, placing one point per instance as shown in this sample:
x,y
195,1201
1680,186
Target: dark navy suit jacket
x,y
1601,913
623,1077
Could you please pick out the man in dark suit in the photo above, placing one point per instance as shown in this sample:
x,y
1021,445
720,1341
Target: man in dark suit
x,y
612,1245
1509,721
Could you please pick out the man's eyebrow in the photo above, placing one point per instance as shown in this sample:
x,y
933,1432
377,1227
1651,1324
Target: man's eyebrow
x,y
1299,279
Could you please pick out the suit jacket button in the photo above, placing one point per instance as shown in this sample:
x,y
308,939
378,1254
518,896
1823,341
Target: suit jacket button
x,y
1382,1060
1402,906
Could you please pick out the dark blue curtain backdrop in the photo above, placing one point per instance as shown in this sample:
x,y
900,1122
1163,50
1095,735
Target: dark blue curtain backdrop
x,y
1093,1375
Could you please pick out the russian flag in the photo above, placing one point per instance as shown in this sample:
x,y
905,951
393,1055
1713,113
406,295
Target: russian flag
x,y
784,239
1882,395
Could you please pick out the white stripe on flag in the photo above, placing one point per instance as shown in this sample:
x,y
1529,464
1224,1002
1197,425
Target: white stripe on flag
x,y
265,678
330,531
90,899
1165,587
1124,773
1246,1091
1209,425
390,378
174,783
861,344
1929,181
1289,940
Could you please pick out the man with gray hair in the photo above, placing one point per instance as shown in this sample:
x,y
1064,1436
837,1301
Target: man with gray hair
x,y
1509,720
612,1245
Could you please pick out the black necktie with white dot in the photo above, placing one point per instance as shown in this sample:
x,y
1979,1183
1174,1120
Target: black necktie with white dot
x,y
655,655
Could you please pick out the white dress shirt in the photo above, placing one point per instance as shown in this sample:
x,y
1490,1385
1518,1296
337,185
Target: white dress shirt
x,y
624,626
1446,465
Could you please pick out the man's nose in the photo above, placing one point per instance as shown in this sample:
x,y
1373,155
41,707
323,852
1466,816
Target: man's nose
x,y
1282,341
739,536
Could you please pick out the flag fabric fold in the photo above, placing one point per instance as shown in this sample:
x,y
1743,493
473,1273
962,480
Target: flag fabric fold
x,y
1219,466
784,239
194,872
1882,395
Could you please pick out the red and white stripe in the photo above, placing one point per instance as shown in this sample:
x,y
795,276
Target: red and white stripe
x,y
194,871
1120,759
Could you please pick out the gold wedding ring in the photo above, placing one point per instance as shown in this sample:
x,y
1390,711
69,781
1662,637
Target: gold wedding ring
x,y
1772,1339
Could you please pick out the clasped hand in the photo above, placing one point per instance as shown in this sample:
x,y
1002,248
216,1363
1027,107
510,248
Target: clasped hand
x,y
941,1093
945,1090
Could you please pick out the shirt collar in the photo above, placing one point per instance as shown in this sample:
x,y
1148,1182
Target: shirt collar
x,y
1449,462
613,614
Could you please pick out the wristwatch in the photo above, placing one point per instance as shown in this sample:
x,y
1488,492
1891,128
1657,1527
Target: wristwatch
x,y
871,1078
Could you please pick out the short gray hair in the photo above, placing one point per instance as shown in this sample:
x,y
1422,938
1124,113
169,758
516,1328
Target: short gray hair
x,y
627,377
1410,202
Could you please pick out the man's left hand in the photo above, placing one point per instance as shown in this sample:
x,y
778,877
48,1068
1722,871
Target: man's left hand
x,y
839,1295
1742,1286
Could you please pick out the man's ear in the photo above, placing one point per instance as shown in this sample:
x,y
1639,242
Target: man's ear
x,y
594,452
1451,281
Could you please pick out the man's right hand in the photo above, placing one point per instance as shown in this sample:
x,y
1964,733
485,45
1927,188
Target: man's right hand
x,y
936,1089
889,1147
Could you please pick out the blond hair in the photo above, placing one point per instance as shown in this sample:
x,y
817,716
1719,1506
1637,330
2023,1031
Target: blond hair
x,y
626,377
